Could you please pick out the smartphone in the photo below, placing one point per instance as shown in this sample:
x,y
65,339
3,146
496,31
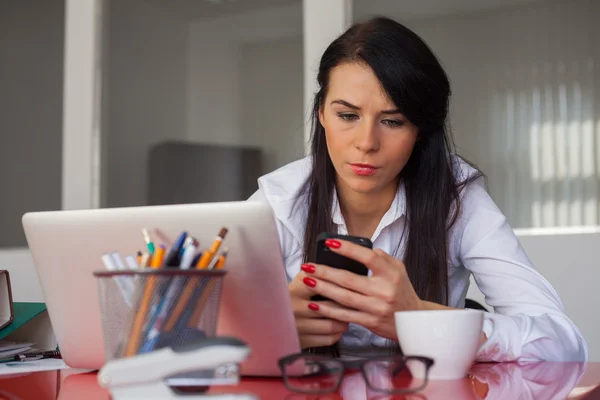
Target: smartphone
x,y
327,257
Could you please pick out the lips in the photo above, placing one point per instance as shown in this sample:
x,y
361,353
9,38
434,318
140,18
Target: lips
x,y
363,169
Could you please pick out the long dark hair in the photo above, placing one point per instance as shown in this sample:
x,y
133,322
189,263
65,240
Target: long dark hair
x,y
417,84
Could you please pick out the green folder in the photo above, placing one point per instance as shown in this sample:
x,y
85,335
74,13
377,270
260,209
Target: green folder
x,y
23,313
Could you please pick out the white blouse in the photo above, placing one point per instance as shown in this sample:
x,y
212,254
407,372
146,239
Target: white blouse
x,y
528,320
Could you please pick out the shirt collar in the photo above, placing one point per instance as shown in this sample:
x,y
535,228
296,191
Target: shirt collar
x,y
397,209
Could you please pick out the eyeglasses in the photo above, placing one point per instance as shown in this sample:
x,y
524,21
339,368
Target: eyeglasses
x,y
305,373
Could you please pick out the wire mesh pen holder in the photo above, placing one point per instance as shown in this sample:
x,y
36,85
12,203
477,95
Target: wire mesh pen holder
x,y
148,309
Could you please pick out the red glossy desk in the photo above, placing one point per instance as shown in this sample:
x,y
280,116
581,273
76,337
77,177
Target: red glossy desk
x,y
492,381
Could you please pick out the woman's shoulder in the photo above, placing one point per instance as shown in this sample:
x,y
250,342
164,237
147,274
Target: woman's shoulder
x,y
463,170
283,190
287,182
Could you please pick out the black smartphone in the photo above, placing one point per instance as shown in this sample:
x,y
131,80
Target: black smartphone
x,y
327,257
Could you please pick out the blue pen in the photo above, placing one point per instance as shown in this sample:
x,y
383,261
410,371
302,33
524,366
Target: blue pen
x,y
197,258
190,240
174,258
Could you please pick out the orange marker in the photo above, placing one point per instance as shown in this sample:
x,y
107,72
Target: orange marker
x,y
135,337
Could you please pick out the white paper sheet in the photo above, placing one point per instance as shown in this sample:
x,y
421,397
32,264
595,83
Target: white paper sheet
x,y
18,367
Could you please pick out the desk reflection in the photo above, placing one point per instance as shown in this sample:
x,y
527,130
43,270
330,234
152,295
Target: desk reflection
x,y
486,381
36,385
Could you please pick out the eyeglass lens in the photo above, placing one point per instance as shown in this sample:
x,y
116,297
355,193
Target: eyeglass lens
x,y
317,374
396,375
313,374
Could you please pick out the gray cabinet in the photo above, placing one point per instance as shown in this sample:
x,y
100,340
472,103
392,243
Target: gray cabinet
x,y
182,172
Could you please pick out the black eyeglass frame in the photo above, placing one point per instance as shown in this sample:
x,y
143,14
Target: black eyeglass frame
x,y
354,364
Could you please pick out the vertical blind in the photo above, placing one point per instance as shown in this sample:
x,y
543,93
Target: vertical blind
x,y
526,105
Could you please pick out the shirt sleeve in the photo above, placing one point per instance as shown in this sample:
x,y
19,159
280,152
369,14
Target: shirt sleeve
x,y
528,322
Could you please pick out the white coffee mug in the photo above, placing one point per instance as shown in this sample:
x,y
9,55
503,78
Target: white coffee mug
x,y
450,337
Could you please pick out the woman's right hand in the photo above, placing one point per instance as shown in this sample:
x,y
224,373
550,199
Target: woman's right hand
x,y
313,329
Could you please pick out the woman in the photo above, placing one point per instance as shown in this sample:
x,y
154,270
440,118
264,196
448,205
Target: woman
x,y
382,167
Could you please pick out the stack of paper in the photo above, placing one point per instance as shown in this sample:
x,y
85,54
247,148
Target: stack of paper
x,y
9,349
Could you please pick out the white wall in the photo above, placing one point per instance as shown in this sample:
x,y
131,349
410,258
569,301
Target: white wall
x,y
147,92
270,108
570,263
221,108
526,105
30,128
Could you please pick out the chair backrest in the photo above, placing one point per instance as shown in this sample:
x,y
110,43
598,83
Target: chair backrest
x,y
570,260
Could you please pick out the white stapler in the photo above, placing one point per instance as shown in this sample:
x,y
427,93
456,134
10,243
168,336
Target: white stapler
x,y
153,375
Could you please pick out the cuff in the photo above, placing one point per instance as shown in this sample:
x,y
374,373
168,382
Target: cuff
x,y
503,339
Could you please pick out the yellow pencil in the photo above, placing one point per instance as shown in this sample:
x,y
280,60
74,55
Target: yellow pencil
x,y
135,337
222,259
207,256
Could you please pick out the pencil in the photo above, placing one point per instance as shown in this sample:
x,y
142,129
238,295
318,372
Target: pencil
x,y
135,337
188,291
145,262
221,261
193,321
209,254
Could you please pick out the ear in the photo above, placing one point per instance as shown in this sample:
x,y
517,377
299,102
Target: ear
x,y
321,116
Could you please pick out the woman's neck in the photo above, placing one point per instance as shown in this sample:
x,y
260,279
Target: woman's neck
x,y
363,211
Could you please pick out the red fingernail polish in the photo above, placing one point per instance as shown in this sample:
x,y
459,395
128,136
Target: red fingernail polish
x,y
308,268
334,244
309,282
313,306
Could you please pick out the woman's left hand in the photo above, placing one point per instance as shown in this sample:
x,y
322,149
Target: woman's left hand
x,y
367,301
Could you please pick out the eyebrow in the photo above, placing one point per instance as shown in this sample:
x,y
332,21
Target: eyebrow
x,y
352,106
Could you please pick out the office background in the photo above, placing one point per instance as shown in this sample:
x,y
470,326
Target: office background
x,y
90,88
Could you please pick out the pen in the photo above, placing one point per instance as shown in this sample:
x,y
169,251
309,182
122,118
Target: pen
x,y
168,298
131,262
118,261
148,241
197,258
173,258
188,291
188,256
188,241
125,285
170,290
108,262
193,321
37,356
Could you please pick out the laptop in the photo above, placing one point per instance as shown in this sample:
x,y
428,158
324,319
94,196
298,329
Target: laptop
x,y
255,305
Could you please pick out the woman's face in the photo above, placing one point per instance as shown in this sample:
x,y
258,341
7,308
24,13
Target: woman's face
x,y
368,139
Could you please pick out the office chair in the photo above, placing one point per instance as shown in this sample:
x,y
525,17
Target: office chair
x,y
472,304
